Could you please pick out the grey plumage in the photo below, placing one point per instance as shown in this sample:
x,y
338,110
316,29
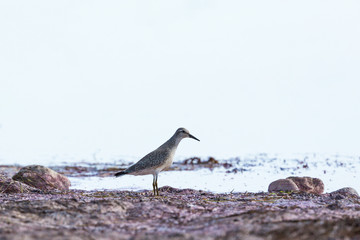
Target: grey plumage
x,y
159,159
152,160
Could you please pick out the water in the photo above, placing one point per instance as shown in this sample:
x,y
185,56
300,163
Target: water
x,y
250,173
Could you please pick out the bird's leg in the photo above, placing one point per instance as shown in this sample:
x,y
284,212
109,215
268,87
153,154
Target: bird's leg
x,y
154,184
157,189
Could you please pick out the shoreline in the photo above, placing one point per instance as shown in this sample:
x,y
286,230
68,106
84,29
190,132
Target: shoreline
x,y
219,176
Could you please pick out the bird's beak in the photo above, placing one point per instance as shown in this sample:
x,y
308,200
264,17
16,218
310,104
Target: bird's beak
x,y
191,136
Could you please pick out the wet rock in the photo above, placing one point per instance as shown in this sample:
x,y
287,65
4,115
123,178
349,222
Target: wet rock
x,y
308,184
346,191
7,185
282,185
42,178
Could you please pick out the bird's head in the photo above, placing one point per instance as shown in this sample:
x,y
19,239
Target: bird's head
x,y
184,133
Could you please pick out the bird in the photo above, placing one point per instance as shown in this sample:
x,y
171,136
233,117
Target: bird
x,y
159,159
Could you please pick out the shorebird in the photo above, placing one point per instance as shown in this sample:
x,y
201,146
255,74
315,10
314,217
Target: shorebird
x,y
159,159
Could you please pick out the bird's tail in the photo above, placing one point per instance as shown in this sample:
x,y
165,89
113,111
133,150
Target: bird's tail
x,y
118,174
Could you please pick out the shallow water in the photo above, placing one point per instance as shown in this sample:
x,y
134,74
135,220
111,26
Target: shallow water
x,y
251,173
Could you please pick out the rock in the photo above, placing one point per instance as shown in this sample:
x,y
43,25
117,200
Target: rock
x,y
7,185
308,184
346,191
79,214
302,184
42,178
282,185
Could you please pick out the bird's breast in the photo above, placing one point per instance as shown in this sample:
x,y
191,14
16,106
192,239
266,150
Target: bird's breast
x,y
168,161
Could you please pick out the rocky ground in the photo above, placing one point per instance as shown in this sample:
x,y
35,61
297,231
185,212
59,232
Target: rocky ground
x,y
178,214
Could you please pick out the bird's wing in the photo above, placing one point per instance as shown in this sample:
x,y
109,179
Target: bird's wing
x,y
152,160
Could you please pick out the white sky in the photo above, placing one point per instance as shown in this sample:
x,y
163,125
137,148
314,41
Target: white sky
x,y
122,76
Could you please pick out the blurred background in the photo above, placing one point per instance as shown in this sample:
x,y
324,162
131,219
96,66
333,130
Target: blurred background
x,y
102,80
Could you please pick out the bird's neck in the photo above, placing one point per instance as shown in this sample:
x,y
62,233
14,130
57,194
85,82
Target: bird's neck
x,y
172,143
